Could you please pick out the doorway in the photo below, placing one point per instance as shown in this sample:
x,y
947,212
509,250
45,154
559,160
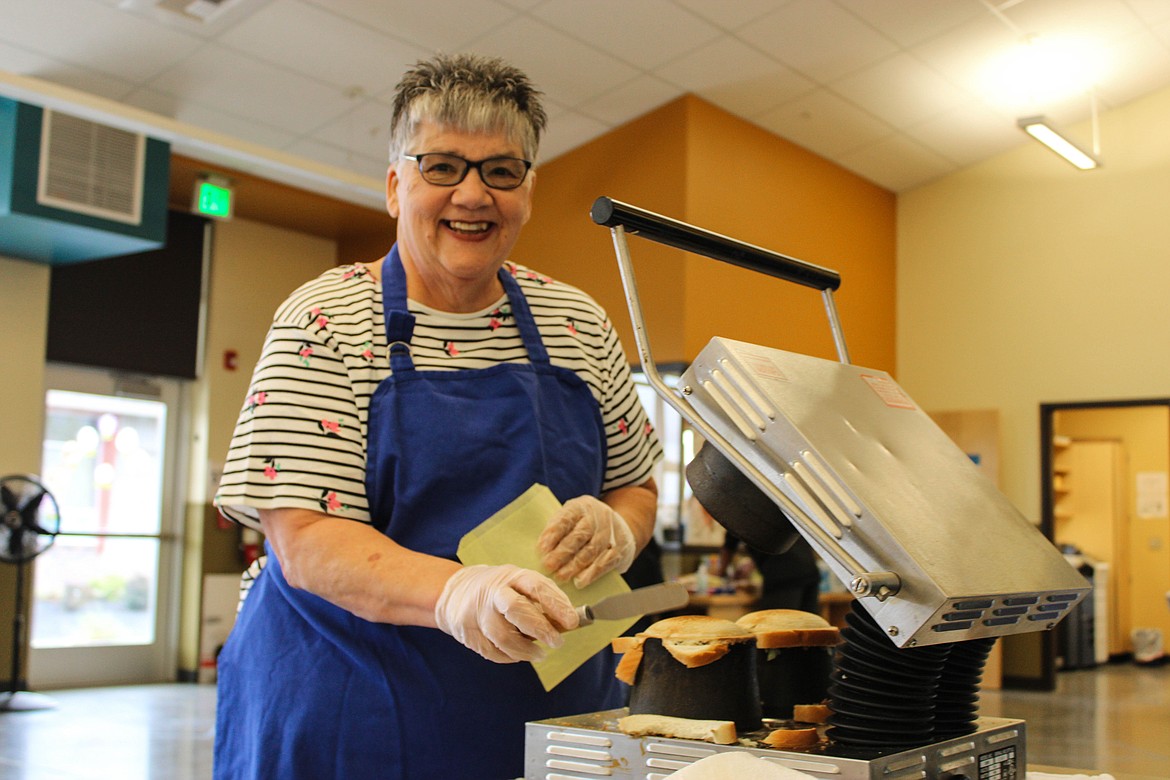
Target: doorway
x,y
104,595
1104,467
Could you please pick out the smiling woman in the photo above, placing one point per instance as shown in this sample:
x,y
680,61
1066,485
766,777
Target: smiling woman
x,y
376,381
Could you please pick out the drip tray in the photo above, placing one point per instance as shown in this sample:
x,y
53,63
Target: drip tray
x,y
584,747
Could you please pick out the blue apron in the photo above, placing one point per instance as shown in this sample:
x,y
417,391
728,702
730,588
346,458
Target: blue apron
x,y
308,690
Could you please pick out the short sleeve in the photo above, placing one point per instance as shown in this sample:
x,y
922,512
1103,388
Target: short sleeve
x,y
300,437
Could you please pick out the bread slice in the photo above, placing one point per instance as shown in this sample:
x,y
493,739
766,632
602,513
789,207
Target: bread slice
x,y
793,738
697,627
721,732
697,640
811,713
693,641
778,628
627,668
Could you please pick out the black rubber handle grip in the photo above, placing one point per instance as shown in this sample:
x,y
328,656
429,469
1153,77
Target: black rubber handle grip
x,y
680,235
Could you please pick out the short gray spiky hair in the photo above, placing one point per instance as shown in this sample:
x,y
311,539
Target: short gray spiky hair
x,y
469,93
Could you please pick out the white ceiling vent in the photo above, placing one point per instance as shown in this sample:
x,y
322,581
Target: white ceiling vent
x,y
200,10
89,168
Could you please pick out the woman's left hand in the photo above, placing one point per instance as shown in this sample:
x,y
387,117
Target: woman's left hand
x,y
585,539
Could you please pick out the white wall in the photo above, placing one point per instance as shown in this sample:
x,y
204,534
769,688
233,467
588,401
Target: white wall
x,y
1022,281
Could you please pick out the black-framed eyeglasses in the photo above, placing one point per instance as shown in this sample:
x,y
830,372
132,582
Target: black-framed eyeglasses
x,y
447,170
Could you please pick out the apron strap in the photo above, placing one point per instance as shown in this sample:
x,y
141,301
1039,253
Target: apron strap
x,y
400,322
529,333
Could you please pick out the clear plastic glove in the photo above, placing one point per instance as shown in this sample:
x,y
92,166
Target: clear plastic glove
x,y
584,540
500,612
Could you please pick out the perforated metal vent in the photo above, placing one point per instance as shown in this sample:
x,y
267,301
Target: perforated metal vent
x,y
89,168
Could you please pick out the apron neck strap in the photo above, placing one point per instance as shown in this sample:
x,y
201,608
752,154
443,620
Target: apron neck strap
x,y
400,322
525,322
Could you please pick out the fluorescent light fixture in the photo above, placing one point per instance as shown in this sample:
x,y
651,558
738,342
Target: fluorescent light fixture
x,y
1038,128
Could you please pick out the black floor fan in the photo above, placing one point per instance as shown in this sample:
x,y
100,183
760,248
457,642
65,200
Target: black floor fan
x,y
29,524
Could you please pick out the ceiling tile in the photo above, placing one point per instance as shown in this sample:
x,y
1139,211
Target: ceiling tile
x,y
824,123
1151,11
23,62
620,28
901,90
339,157
632,99
365,130
819,40
439,25
908,22
965,54
566,131
210,118
95,36
967,133
731,16
735,77
1141,64
328,47
228,81
1102,20
836,76
558,64
172,16
897,163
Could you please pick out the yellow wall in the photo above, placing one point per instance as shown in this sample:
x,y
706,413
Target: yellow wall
x,y
1023,281
692,161
25,289
254,267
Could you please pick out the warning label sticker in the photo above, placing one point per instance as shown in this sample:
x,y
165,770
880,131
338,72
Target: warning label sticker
x,y
761,365
887,390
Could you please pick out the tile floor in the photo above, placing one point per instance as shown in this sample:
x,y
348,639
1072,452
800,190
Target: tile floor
x,y
1115,718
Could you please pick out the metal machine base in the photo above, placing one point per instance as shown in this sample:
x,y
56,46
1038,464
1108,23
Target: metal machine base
x,y
584,747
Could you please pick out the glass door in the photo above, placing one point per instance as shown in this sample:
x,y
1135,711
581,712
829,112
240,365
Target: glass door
x,y
103,594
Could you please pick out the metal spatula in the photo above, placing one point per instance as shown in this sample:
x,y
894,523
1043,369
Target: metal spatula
x,y
638,602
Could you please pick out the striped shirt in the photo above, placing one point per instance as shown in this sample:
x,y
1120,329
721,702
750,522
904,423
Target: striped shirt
x,y
300,440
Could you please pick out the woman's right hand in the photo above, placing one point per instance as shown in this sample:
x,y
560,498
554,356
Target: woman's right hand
x,y
502,611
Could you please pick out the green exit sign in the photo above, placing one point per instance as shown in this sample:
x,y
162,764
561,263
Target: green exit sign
x,y
213,199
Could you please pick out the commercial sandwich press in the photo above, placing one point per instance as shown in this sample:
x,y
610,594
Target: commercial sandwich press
x,y
940,563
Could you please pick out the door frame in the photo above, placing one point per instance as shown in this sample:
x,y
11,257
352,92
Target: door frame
x,y
74,667
1048,493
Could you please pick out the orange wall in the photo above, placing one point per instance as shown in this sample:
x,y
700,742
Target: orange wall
x,y
642,163
693,161
756,187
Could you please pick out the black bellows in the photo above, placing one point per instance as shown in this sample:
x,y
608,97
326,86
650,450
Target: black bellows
x,y
882,696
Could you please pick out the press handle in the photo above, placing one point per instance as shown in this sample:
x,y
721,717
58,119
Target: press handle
x,y
646,224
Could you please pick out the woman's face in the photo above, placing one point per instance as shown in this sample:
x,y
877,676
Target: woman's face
x,y
456,238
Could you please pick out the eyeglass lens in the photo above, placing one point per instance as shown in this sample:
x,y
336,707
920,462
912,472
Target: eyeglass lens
x,y
504,173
